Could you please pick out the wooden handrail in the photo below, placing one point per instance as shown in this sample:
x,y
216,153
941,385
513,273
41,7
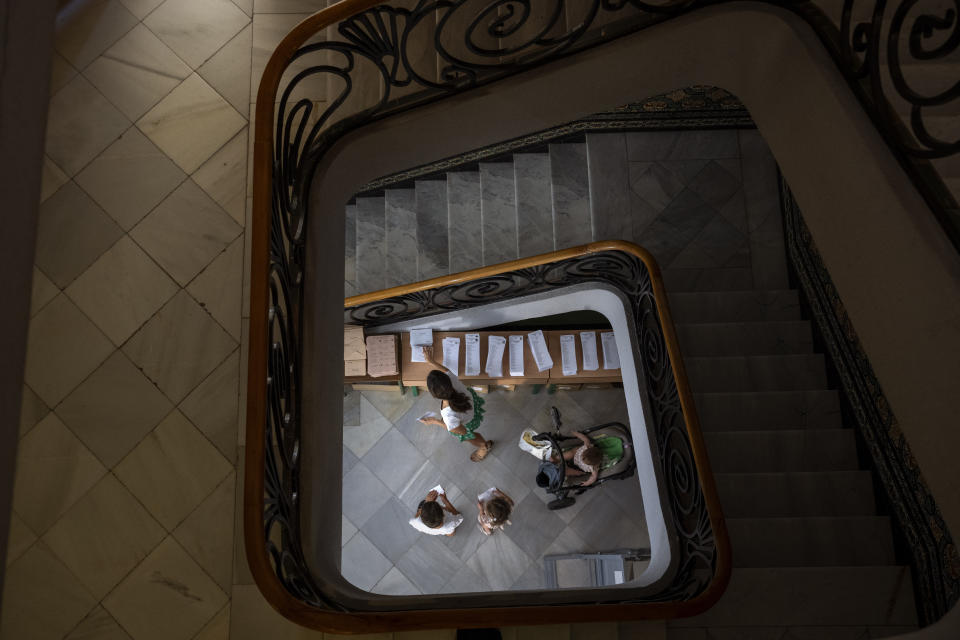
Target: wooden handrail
x,y
253,500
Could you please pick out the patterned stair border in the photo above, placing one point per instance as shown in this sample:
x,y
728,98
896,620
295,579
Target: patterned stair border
x,y
935,561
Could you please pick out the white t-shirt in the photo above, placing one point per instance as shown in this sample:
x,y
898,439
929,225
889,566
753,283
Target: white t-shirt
x,y
451,418
450,522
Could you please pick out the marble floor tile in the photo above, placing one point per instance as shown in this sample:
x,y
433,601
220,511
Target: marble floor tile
x,y
653,182
196,29
61,72
716,244
63,348
42,291
186,232
346,530
499,561
207,533
172,470
52,178
534,203
429,475
735,212
212,406
469,536
219,626
104,535
400,209
40,497
573,220
362,564
287,6
395,584
429,564
179,346
42,598
19,538
32,410
223,177
498,211
371,244
191,122
426,438
218,288
676,226
393,459
432,229
228,70
534,526
466,580
686,171
647,146
136,72
141,8
714,184
602,526
241,571
130,178
98,625
268,30
367,494
390,404
361,438
252,618
532,578
113,409
72,232
89,27
609,185
245,5
466,230
80,124
121,290
349,460
389,529
167,597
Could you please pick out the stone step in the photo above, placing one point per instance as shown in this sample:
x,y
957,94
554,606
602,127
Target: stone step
x,y
723,279
466,228
350,251
810,596
782,450
498,211
432,229
745,338
756,373
734,306
371,245
610,192
811,542
570,186
400,209
768,410
799,494
531,172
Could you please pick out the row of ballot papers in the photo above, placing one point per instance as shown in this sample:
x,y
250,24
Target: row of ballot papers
x,y
498,345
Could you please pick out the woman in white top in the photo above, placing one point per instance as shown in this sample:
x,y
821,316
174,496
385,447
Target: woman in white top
x,y
461,408
430,517
494,508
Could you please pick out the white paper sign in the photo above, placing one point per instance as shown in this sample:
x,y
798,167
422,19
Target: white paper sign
x,y
588,340
419,338
568,354
451,354
611,359
516,355
472,344
495,348
538,347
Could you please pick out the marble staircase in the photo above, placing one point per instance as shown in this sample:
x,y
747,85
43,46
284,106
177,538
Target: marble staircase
x,y
813,550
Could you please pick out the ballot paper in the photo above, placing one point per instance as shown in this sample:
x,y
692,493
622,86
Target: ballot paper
x,y
381,355
568,354
353,347
451,354
419,338
428,414
538,347
472,344
495,347
611,359
588,340
516,355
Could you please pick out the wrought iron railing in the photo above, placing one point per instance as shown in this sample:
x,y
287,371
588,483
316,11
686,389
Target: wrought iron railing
x,y
475,42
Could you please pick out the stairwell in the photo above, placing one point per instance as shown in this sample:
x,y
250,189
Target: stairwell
x,y
813,554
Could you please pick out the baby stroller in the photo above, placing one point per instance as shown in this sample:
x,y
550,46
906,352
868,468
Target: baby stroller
x,y
613,440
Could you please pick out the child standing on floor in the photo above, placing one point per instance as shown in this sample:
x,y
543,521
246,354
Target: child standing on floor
x,y
431,515
494,507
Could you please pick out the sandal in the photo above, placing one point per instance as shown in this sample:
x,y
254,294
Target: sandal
x,y
480,454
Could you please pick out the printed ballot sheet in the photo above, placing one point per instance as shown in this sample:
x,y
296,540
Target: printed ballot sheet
x,y
471,366
588,341
495,348
516,355
538,347
419,338
611,359
451,354
568,354
381,356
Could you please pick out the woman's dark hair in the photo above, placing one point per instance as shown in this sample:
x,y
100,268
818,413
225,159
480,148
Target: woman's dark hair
x,y
431,514
592,456
498,510
440,387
